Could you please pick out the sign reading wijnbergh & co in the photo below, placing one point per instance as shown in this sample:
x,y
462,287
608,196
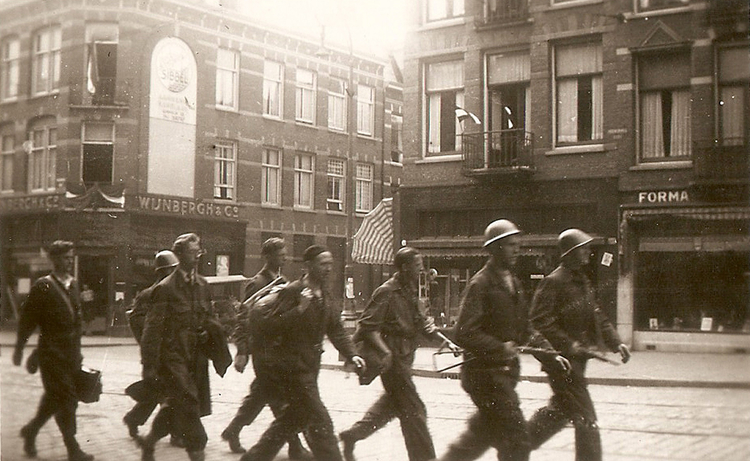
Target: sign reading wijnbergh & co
x,y
30,203
183,207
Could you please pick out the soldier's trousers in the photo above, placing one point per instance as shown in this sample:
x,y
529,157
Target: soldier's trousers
x,y
399,401
572,402
498,422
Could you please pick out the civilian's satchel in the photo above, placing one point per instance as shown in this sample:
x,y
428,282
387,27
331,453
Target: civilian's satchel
x,y
373,362
88,384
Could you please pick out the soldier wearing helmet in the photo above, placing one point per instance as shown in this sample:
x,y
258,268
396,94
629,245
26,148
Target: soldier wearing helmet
x,y
164,264
565,311
492,322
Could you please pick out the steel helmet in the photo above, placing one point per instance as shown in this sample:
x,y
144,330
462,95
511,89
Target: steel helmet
x,y
499,229
164,259
571,239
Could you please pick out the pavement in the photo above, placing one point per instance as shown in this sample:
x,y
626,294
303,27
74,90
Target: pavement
x,y
645,369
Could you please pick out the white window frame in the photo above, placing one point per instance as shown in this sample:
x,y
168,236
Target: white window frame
x,y
337,104
433,94
43,158
365,110
225,170
227,79
271,191
642,6
336,171
273,85
364,187
107,142
7,155
306,92
442,10
45,74
597,96
304,181
10,76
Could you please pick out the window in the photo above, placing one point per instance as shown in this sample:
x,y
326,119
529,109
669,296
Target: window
x,y
46,61
336,184
337,104
98,150
273,86
444,93
225,170
363,199
444,9
508,80
651,5
397,138
306,96
734,80
9,78
101,61
227,78
43,157
505,10
303,180
664,99
271,177
578,86
7,144
365,109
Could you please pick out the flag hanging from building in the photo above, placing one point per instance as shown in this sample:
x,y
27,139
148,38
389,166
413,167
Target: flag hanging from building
x,y
373,242
463,114
92,69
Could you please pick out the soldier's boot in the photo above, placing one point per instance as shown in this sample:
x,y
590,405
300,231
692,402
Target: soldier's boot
x,y
232,436
297,452
545,423
588,441
28,433
198,455
74,450
349,439
147,445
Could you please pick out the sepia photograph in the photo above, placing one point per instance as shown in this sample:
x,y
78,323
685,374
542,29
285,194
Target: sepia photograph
x,y
375,230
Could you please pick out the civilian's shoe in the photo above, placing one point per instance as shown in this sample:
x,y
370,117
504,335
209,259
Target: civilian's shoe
x,y
132,428
147,448
176,441
299,453
80,455
29,441
348,446
233,438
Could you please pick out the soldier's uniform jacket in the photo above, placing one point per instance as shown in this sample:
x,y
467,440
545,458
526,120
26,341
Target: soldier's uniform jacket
x,y
492,313
172,338
565,310
394,311
137,315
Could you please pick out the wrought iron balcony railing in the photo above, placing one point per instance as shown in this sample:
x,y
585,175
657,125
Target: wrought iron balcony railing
x,y
721,162
497,152
503,11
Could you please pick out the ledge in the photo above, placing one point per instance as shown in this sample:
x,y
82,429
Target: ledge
x,y
579,149
440,159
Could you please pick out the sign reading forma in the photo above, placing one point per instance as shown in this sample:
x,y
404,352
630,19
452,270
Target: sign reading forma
x,y
663,196
185,207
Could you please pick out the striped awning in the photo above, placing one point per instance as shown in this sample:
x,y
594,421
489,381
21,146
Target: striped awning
x,y
373,242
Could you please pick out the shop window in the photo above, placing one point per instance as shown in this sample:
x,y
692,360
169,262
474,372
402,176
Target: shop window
x,y
578,93
306,89
227,78
45,76
271,177
98,153
734,100
9,72
337,104
225,170
653,5
365,110
273,88
336,184
7,154
664,99
43,156
101,61
363,191
444,93
438,10
304,171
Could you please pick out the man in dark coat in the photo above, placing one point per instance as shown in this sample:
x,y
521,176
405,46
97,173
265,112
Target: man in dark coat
x,y
392,323
566,312
492,322
290,366
273,252
172,354
164,264
54,305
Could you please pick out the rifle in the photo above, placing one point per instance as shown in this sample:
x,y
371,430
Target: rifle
x,y
588,353
519,349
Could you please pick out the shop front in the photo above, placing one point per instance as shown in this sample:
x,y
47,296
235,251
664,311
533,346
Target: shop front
x,y
685,275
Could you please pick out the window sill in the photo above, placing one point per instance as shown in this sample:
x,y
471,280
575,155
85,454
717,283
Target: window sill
x,y
304,123
6,192
337,130
440,159
336,213
270,206
361,213
45,94
233,110
365,135
275,118
304,210
669,165
439,23
392,163
226,201
9,100
660,12
579,149
573,4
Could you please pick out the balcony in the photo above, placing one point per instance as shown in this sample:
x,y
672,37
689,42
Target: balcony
x,y
717,163
503,11
504,152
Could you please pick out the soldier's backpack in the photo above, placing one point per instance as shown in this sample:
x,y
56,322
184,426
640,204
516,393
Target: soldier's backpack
x,y
261,306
